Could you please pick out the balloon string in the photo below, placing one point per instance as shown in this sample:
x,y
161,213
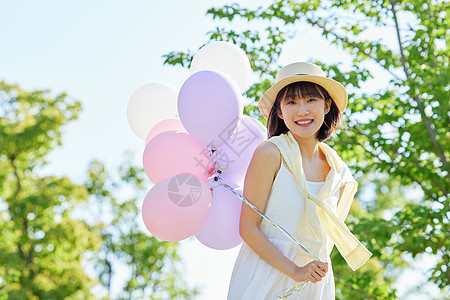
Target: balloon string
x,y
293,239
296,288
213,154
218,179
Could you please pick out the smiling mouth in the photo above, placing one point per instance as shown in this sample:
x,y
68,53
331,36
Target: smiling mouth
x,y
304,123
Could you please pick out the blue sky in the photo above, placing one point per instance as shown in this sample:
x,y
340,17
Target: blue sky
x,y
100,52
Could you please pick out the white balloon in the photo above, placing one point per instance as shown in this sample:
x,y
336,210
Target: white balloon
x,y
150,104
225,57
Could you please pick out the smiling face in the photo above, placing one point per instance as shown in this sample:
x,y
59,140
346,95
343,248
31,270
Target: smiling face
x,y
329,116
303,116
303,111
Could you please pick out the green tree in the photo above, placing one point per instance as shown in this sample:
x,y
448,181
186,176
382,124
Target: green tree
x,y
399,133
41,245
44,248
154,265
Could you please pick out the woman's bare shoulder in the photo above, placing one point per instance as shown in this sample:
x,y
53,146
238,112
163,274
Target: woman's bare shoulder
x,y
258,182
268,150
268,156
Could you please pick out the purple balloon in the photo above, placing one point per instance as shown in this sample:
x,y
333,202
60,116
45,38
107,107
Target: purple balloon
x,y
210,107
221,229
233,158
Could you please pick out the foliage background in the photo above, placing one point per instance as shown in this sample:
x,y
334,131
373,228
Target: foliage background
x,y
397,135
102,63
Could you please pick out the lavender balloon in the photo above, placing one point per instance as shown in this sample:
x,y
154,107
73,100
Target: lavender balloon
x,y
221,229
233,158
210,107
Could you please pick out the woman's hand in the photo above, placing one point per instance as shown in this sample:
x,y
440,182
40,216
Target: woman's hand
x,y
313,271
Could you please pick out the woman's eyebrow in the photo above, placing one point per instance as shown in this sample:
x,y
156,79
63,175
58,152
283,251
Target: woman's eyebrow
x,y
296,97
293,96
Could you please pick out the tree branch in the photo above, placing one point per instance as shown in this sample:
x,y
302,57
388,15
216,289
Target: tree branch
x,y
402,54
447,263
353,44
426,191
442,249
417,164
414,162
108,265
12,158
19,249
426,120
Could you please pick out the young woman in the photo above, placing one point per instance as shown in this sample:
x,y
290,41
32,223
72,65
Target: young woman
x,y
301,184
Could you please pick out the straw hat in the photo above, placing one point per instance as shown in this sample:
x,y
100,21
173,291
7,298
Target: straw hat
x,y
302,71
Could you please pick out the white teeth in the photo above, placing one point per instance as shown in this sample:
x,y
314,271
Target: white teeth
x,y
304,122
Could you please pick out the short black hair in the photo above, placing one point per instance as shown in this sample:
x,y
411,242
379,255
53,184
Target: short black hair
x,y
303,89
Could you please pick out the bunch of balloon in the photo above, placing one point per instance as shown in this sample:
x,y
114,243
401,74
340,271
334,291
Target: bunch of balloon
x,y
192,136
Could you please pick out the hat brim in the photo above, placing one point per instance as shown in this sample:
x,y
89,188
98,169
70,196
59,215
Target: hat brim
x,y
334,88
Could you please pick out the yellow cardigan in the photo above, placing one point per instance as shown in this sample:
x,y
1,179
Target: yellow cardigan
x,y
348,245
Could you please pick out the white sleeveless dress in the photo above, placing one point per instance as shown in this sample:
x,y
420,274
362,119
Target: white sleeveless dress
x,y
255,279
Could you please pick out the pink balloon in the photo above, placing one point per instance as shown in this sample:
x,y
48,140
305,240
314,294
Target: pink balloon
x,y
221,229
176,207
210,106
165,125
171,153
234,157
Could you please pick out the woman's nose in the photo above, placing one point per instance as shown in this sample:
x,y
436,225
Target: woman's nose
x,y
302,109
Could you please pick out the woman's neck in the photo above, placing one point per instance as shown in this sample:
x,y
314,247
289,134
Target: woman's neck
x,y
309,148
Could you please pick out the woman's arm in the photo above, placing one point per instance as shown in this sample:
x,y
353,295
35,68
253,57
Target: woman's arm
x,y
257,185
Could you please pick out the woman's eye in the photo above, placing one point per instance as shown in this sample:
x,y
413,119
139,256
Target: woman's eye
x,y
291,101
312,99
